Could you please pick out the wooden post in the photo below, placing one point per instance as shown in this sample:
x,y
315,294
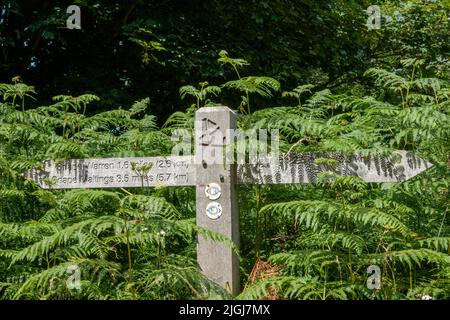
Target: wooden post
x,y
216,195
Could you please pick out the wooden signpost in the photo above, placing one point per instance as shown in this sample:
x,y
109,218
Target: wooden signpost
x,y
217,180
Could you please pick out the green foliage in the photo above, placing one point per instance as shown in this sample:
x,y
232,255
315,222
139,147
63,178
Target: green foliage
x,y
126,245
343,89
324,237
201,94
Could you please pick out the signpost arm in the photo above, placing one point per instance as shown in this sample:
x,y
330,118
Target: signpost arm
x,y
216,195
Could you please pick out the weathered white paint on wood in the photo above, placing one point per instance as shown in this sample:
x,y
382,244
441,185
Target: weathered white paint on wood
x,y
115,173
304,168
180,170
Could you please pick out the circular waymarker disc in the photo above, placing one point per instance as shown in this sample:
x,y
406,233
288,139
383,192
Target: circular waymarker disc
x,y
213,191
214,210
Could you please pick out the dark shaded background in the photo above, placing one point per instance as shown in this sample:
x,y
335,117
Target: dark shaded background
x,y
318,41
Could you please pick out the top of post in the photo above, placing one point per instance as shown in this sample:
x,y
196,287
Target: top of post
x,y
219,108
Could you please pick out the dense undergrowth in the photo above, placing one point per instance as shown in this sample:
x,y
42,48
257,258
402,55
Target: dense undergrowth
x,y
320,239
